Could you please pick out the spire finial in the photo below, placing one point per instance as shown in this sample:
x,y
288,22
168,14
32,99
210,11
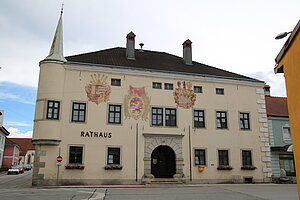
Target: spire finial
x,y
62,8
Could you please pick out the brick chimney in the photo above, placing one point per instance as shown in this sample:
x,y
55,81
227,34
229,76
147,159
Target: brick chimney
x,y
267,90
187,52
130,46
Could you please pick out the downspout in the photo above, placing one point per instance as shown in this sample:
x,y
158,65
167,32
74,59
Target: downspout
x,y
190,152
136,152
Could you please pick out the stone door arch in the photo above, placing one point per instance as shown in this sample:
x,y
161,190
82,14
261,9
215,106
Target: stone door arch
x,y
152,141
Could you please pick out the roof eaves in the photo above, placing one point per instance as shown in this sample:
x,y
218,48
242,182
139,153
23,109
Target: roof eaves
x,y
163,71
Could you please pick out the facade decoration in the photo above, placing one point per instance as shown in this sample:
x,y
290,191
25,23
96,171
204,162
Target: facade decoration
x,y
184,95
136,103
98,91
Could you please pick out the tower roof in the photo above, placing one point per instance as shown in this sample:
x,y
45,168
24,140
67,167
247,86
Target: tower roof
x,y
56,51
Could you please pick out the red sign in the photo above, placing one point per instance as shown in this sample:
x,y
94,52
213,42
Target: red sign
x,y
59,159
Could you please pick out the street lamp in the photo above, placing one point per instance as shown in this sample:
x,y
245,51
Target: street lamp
x,y
282,35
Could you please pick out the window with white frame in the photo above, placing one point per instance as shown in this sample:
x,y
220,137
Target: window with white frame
x,y
75,154
286,133
113,156
221,119
244,121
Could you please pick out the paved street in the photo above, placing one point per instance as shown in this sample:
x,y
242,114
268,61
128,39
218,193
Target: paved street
x,y
18,187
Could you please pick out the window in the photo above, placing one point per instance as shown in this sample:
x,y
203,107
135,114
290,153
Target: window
x,y
223,157
168,86
219,91
113,156
244,121
115,82
156,85
286,162
246,158
75,155
199,119
78,112
170,116
221,119
200,157
197,89
157,116
114,114
286,134
53,110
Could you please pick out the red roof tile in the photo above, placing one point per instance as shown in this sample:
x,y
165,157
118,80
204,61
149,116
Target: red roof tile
x,y
24,143
277,106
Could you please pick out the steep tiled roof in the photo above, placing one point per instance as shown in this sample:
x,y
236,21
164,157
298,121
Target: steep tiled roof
x,y
277,106
24,143
152,60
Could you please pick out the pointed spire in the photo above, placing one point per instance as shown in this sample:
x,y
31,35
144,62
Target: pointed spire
x,y
56,51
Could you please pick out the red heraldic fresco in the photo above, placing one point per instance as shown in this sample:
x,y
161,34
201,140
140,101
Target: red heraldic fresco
x,y
98,91
136,103
184,95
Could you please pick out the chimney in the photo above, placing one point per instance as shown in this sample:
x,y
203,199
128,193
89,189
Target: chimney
x,y
187,52
267,90
130,46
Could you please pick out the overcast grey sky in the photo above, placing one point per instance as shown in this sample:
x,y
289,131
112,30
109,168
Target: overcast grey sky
x,y
233,35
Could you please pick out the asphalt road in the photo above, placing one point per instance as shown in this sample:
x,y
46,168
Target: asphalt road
x,y
18,187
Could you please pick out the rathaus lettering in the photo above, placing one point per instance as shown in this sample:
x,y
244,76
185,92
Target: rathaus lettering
x,y
96,134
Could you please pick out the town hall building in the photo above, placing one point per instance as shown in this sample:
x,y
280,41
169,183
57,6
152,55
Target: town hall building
x,y
134,116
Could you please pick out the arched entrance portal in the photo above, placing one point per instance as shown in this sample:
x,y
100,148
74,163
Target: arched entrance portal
x,y
163,164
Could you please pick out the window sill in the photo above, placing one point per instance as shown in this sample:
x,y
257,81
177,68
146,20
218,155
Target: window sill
x,y
74,166
248,167
222,167
113,167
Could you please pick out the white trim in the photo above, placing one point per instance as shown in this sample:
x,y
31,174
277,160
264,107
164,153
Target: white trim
x,y
98,68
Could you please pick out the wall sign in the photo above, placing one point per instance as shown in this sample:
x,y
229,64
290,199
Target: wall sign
x,y
98,91
95,134
136,103
184,95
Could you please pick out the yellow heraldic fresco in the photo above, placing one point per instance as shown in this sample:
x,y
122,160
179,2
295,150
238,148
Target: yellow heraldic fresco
x,y
184,95
98,91
136,103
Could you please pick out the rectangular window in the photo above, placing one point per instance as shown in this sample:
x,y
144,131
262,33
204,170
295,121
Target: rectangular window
x,y
244,121
115,82
221,119
78,112
113,156
75,155
246,158
286,134
157,116
199,121
170,114
156,85
200,157
223,157
219,91
197,89
286,162
114,114
168,86
53,110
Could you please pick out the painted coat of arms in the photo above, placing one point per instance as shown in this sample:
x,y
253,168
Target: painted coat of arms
x,y
184,95
98,91
136,103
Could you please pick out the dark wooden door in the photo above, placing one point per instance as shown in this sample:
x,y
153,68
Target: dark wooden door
x,y
163,164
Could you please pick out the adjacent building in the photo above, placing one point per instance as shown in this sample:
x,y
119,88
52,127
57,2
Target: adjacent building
x,y
280,136
3,134
287,62
130,116
27,150
11,154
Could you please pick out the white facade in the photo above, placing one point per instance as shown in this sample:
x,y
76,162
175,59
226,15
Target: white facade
x,y
115,125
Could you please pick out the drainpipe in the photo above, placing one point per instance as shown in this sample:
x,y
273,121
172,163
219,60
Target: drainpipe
x,y
136,152
190,151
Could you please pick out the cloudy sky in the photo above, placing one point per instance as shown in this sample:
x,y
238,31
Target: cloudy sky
x,y
234,35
